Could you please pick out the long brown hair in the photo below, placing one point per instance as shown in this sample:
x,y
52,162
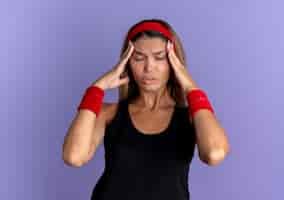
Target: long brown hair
x,y
130,90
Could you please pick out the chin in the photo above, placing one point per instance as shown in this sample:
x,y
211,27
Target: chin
x,y
151,88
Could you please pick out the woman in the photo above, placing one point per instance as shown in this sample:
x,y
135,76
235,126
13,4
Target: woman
x,y
150,134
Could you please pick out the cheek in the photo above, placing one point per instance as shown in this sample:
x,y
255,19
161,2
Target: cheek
x,y
165,70
136,66
136,69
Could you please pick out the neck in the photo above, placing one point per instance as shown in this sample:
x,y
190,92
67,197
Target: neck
x,y
154,100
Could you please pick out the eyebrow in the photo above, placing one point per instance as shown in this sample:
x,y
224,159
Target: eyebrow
x,y
156,53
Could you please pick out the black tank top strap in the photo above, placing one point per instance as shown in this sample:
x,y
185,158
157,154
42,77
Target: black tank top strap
x,y
118,115
123,104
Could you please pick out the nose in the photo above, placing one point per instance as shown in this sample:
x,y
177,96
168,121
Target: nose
x,y
149,65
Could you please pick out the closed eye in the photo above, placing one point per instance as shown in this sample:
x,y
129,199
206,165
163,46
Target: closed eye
x,y
138,59
161,57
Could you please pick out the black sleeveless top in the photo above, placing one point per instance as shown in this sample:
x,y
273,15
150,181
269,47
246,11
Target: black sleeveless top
x,y
146,167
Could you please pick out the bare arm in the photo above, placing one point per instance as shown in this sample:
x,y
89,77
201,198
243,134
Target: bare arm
x,y
87,130
78,139
211,138
84,135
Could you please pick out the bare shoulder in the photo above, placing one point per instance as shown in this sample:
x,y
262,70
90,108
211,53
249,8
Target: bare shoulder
x,y
108,111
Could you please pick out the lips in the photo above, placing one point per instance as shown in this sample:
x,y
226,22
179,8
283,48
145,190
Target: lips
x,y
148,79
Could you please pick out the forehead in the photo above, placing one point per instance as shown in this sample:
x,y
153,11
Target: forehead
x,y
149,45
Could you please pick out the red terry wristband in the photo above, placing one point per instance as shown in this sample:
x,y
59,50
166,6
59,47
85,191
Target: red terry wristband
x,y
92,99
197,100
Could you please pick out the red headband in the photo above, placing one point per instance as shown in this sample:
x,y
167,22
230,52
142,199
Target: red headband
x,y
155,26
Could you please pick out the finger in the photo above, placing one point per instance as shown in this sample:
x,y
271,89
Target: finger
x,y
129,52
117,67
124,60
168,46
126,50
172,56
123,80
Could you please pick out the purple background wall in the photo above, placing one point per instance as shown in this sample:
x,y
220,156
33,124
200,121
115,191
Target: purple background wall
x,y
52,50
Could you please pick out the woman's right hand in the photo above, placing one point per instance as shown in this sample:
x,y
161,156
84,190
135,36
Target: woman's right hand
x,y
112,78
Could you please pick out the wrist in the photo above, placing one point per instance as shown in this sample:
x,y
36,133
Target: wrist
x,y
100,85
92,99
197,99
190,88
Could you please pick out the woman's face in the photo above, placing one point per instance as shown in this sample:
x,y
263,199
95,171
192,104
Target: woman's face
x,y
149,63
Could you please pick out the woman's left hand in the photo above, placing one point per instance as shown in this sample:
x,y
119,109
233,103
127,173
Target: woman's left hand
x,y
181,74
